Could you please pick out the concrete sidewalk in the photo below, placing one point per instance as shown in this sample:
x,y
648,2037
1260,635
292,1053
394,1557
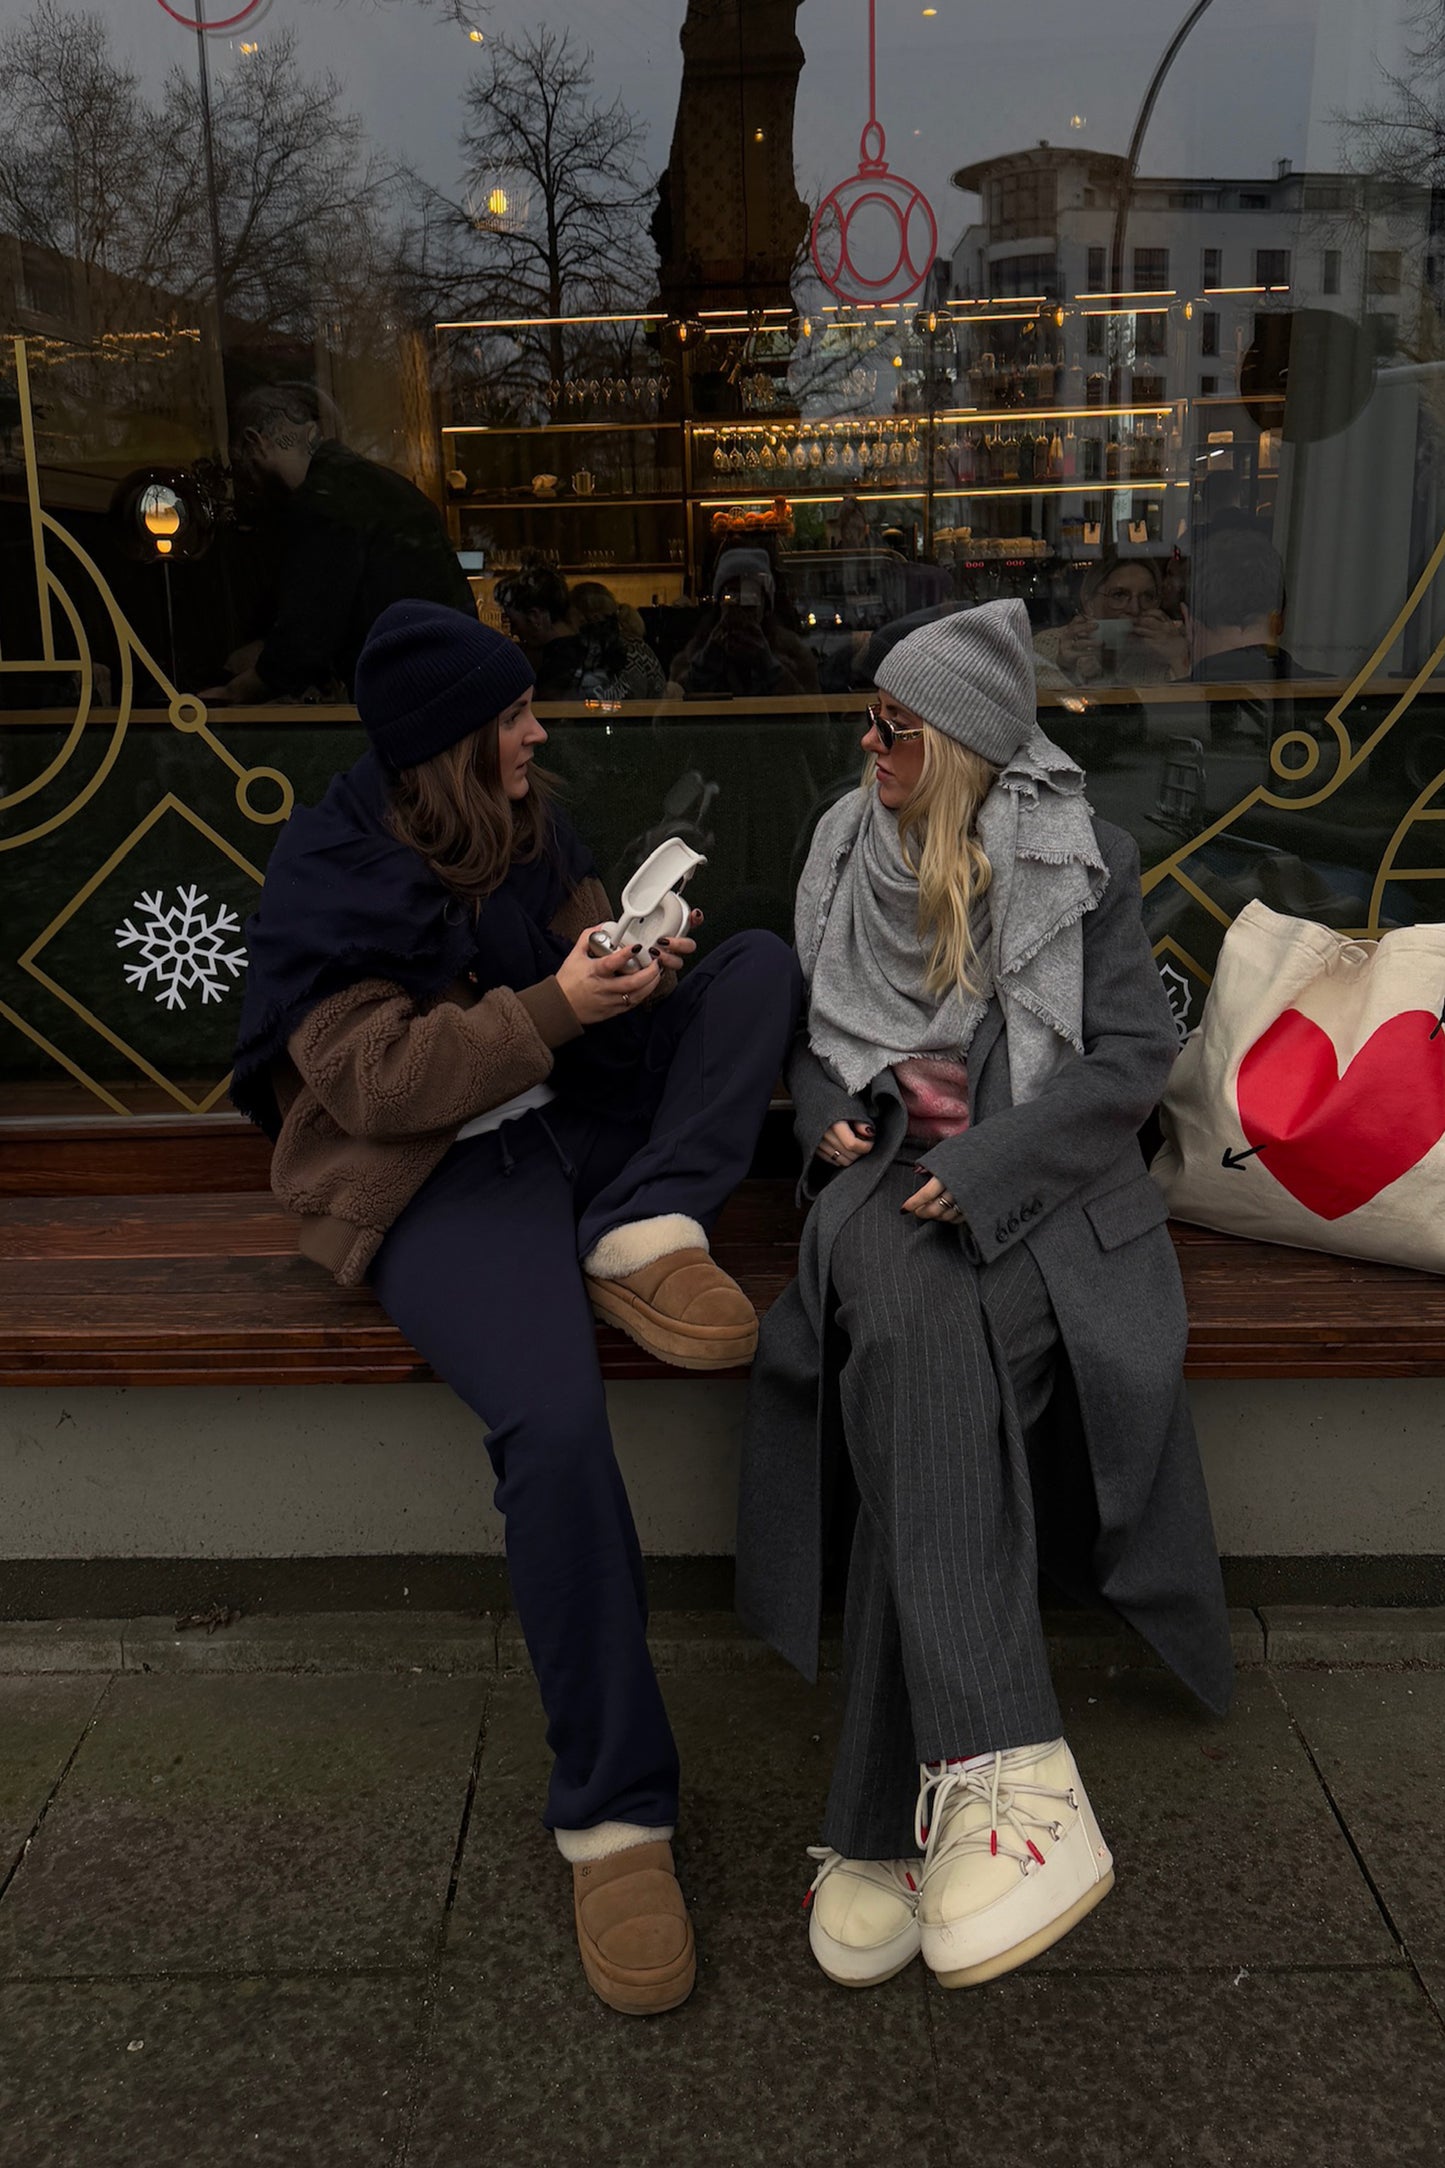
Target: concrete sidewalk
x,y
278,1894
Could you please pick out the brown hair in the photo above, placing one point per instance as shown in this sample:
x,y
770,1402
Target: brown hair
x,y
453,810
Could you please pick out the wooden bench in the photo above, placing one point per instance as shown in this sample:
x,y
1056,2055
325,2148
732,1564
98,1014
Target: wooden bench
x,y
156,1256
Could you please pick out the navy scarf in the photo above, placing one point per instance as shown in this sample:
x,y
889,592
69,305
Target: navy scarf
x,y
345,900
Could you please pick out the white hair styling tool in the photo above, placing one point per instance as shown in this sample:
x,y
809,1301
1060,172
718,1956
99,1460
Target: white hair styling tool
x,y
652,906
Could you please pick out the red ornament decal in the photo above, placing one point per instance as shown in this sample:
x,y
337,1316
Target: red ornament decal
x,y
1335,1141
876,215
196,18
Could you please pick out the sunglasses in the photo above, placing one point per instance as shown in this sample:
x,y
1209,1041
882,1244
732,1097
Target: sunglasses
x,y
889,734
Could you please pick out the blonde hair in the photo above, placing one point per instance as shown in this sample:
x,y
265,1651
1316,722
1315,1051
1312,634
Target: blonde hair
x,y
936,830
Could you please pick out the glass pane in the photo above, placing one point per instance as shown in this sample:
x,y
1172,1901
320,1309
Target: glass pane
x,y
705,353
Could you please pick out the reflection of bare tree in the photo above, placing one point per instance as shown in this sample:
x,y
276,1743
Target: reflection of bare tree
x,y
304,206
81,153
552,221
1397,147
1402,137
116,187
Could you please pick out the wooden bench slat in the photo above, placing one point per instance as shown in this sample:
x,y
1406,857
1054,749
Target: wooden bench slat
x,y
175,1289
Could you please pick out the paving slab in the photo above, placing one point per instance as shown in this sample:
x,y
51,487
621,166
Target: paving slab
x,y
168,2073
249,1824
330,1642
42,1721
1379,1738
1247,2070
756,1753
1096,1640
1226,1851
527,2068
1331,1634
58,1644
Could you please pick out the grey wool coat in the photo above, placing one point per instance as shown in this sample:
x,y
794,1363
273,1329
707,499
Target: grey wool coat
x,y
1120,1499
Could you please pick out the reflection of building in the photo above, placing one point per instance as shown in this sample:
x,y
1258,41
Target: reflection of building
x,y
1212,271
1231,248
730,221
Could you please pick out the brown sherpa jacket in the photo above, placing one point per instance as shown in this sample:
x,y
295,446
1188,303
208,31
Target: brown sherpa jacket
x,y
375,1086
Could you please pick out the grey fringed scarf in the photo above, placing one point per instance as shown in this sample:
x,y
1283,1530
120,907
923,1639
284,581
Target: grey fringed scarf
x,y
858,942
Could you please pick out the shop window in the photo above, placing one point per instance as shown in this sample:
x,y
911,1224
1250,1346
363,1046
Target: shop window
x,y
1151,270
1382,271
1020,203
1011,276
1271,267
1151,334
1330,280
44,283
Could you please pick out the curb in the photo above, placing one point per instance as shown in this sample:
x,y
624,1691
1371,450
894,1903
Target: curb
x,y
490,1643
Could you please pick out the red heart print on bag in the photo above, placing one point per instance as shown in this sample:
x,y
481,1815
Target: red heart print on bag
x,y
1334,1141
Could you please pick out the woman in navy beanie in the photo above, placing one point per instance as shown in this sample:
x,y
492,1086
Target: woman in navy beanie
x,y
503,1134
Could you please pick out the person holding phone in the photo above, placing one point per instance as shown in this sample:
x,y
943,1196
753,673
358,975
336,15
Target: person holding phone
x,y
1121,634
503,1134
987,1328
741,647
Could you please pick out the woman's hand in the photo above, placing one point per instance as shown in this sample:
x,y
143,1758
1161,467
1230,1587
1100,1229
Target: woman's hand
x,y
933,1202
1164,638
844,1142
601,987
673,950
1079,649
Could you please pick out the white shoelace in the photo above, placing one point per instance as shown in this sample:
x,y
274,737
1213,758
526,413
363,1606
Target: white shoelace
x,y
834,1863
990,1784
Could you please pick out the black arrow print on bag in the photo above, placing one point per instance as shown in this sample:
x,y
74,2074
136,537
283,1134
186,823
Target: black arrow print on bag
x,y
1440,1026
1237,1159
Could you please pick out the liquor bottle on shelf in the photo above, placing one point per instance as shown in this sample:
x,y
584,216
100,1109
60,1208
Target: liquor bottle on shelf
x,y
1010,457
1055,457
1070,455
1096,388
1025,461
968,457
1091,464
1111,460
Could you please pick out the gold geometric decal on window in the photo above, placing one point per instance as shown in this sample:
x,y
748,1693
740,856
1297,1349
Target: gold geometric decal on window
x,y
186,950
102,925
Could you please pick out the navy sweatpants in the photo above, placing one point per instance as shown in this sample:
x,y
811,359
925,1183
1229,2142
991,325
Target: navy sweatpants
x,y
482,1273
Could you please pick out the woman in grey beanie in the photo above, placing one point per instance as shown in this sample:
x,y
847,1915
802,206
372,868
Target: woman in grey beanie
x,y
987,1323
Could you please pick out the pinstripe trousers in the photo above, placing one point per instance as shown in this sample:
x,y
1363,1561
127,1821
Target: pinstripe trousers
x,y
948,1368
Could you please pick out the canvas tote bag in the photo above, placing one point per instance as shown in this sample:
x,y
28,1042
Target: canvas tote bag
x,y
1309,1106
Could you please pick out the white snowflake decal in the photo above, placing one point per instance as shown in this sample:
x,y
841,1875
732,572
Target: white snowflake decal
x,y
182,948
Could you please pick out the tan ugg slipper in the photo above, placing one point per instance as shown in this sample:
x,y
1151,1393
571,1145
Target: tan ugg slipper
x,y
682,1308
633,1930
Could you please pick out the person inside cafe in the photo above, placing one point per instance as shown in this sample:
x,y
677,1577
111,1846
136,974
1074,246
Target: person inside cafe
x,y
742,646
355,536
1120,633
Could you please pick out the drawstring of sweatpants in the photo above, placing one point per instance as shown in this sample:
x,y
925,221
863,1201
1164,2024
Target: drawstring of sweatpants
x,y
568,1170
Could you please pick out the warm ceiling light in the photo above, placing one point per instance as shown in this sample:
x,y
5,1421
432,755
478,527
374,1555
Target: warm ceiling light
x,y
250,48
478,37
497,203
758,136
930,11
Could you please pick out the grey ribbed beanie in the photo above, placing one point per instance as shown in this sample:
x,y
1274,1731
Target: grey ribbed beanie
x,y
971,675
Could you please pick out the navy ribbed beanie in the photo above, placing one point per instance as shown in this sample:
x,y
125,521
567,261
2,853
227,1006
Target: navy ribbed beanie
x,y
428,676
